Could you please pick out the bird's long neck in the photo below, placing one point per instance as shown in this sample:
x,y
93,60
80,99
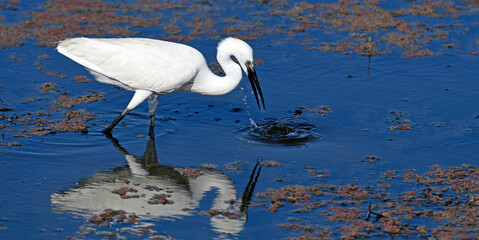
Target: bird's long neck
x,y
208,83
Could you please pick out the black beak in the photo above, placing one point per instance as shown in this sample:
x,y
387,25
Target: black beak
x,y
253,79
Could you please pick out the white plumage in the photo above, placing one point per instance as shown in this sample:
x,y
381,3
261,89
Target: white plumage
x,y
153,67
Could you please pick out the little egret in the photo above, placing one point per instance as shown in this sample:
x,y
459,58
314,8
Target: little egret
x,y
154,67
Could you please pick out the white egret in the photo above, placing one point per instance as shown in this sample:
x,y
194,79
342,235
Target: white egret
x,y
154,67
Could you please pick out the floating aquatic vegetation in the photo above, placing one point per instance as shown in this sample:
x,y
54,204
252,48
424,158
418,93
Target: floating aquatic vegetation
x,y
75,122
109,216
401,127
161,199
39,126
192,173
369,29
401,123
56,74
17,58
123,191
82,79
321,109
321,173
64,101
228,214
270,163
116,224
11,144
371,159
442,203
47,87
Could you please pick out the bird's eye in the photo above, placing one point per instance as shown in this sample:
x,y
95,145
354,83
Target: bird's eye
x,y
248,63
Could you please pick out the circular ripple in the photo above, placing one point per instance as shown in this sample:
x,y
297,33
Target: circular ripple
x,y
290,131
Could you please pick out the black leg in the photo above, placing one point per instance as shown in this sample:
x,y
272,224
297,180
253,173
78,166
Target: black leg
x,y
107,130
152,105
151,131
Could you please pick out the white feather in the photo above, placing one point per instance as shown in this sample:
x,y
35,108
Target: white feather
x,y
153,67
135,63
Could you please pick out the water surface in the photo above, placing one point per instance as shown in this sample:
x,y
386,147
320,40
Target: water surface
x,y
53,185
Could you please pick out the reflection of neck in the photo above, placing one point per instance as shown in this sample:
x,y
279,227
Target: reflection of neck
x,y
197,188
211,180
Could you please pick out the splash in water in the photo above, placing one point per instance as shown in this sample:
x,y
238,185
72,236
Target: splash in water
x,y
290,131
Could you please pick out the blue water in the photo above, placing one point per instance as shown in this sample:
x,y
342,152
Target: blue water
x,y
193,130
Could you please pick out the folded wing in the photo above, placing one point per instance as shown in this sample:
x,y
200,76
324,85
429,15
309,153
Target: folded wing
x,y
136,63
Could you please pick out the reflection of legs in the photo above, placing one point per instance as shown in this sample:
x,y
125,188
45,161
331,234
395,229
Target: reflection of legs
x,y
249,190
139,97
152,105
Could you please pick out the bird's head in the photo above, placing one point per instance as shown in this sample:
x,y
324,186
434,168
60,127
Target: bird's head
x,y
244,55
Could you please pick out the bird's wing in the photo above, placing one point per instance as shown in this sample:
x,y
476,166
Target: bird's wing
x,y
137,63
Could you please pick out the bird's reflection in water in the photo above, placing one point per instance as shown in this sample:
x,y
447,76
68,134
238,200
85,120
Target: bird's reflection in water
x,y
154,191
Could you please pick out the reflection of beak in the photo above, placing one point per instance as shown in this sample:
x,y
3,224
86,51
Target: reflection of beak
x,y
253,79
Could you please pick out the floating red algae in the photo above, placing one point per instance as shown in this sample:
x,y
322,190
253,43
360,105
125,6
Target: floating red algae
x,y
384,185
353,192
202,26
343,214
71,6
42,126
70,125
270,163
68,102
62,19
168,6
446,196
321,173
192,173
11,144
291,194
401,127
110,216
14,2
321,109
56,74
297,227
11,35
365,20
17,58
389,175
160,199
81,113
361,21
223,214
82,79
95,219
47,87
399,120
391,226
38,125
123,191
371,159
42,56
